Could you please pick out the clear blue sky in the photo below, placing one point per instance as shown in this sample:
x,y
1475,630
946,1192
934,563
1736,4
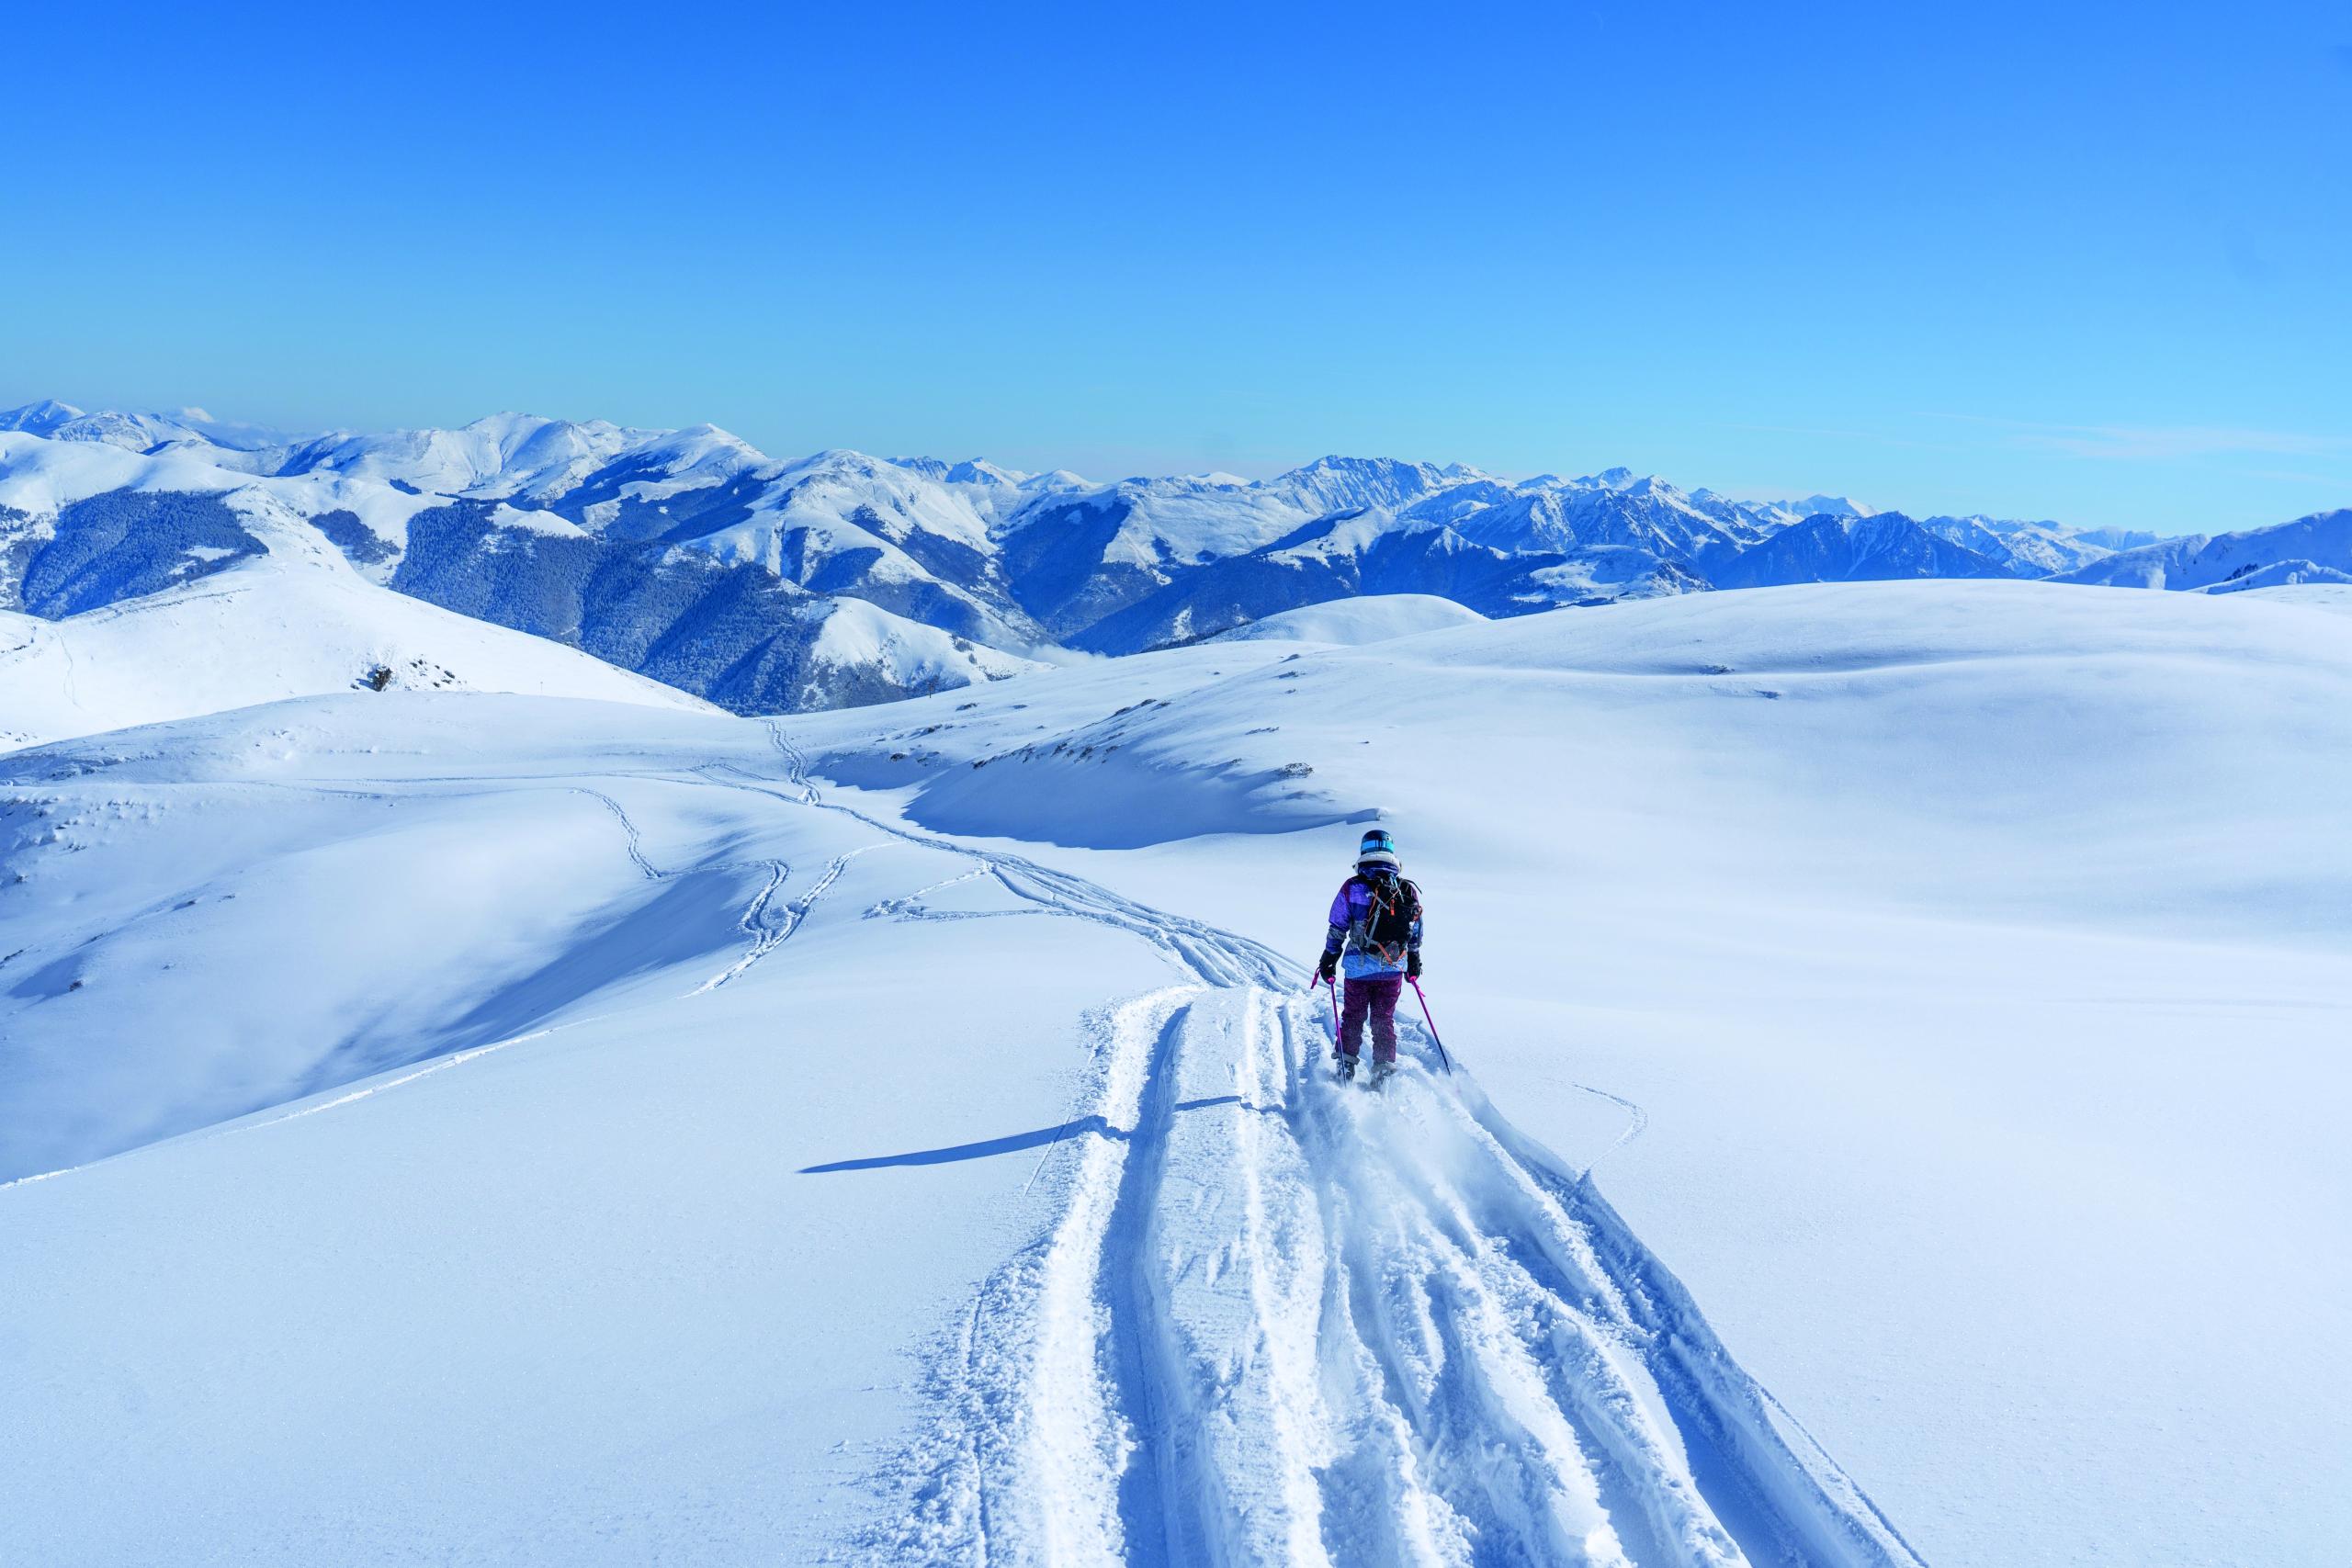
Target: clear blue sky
x,y
2086,262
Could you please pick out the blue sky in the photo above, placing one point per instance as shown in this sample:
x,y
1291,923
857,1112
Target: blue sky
x,y
2087,263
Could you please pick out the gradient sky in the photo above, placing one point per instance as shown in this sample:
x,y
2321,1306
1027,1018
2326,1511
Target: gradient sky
x,y
2090,263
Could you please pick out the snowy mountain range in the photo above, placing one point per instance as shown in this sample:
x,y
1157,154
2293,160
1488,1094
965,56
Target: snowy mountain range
x,y
840,579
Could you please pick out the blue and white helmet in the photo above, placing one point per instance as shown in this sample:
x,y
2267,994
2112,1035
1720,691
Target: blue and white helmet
x,y
1378,849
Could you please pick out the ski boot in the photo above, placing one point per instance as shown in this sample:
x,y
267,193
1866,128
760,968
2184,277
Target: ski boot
x,y
1344,1067
1381,1073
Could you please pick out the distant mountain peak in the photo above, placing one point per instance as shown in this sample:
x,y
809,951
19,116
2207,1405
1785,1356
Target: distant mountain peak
x,y
1831,506
38,418
1342,460
980,471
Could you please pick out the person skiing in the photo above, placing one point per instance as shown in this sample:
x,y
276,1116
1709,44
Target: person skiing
x,y
1374,933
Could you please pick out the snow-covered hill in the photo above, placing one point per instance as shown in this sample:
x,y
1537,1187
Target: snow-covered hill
x,y
897,1135
2336,598
257,634
1351,623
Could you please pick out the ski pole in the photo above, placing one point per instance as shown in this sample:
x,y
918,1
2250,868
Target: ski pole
x,y
1334,984
1432,1024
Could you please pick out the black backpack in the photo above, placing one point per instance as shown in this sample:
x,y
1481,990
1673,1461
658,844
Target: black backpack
x,y
1388,924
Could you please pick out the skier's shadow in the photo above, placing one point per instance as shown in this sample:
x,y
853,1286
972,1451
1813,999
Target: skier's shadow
x,y
1014,1143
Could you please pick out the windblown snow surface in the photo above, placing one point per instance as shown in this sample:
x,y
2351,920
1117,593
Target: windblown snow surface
x,y
467,1128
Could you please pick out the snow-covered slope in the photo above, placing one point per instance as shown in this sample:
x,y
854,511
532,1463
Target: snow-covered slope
x,y
502,456
2315,548
1957,947
622,1034
1361,553
857,642
587,1308
1612,508
2027,549
1882,546
2280,574
1855,1004
2336,598
838,523
247,447
1815,506
259,632
1147,562
1352,622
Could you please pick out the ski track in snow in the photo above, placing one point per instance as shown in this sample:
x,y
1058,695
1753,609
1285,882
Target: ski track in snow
x,y
1281,1321
764,932
767,935
1637,1121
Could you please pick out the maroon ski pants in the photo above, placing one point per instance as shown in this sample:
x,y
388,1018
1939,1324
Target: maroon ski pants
x,y
1374,995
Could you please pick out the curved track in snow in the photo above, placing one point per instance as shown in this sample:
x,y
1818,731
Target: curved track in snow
x,y
1280,1320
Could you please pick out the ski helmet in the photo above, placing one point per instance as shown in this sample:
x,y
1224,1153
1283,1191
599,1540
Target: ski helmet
x,y
1378,849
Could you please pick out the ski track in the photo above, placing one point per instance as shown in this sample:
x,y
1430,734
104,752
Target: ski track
x,y
1637,1121
1278,1320
764,931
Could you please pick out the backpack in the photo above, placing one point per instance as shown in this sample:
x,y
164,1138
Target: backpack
x,y
1388,924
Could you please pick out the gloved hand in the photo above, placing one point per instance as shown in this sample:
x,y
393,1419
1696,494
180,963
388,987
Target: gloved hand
x,y
1327,969
1412,967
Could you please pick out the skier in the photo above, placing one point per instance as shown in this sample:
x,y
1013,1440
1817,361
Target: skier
x,y
1374,931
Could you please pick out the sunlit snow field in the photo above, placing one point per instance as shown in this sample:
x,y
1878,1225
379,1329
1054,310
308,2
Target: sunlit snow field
x,y
490,1126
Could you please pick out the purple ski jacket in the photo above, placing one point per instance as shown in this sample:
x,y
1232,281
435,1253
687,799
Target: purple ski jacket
x,y
1351,933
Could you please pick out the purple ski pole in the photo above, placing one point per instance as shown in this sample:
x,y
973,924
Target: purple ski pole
x,y
1432,1024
